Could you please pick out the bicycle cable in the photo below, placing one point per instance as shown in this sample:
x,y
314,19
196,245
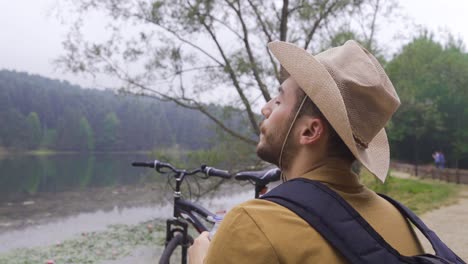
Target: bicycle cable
x,y
189,186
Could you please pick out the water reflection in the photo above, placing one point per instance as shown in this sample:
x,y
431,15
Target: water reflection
x,y
23,176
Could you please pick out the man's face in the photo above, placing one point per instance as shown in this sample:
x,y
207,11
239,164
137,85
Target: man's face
x,y
278,113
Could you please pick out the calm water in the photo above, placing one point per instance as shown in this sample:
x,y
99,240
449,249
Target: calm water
x,y
51,198
24,176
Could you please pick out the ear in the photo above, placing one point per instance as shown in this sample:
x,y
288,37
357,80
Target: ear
x,y
311,130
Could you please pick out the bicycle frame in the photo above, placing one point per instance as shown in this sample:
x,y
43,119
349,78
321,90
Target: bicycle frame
x,y
185,211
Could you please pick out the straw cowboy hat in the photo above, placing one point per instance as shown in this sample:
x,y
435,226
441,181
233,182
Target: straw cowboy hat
x,y
352,91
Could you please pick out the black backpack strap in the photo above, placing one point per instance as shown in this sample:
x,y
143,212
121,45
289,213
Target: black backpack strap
x,y
339,223
439,247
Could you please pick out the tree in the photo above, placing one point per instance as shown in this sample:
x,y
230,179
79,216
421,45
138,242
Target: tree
x,y
431,80
85,135
453,72
68,131
49,138
110,133
190,50
415,121
418,117
34,130
14,134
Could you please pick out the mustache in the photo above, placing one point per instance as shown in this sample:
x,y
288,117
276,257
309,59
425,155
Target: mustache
x,y
260,125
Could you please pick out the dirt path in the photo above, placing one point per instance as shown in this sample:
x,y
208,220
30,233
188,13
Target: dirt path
x,y
451,225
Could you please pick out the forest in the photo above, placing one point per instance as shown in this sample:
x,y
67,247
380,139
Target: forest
x,y
431,78
40,113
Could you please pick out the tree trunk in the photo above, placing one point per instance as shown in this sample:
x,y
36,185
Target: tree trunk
x,y
416,156
283,35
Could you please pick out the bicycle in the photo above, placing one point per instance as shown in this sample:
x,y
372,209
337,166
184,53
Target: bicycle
x,y
186,212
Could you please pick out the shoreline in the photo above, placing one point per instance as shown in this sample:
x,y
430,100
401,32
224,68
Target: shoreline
x,y
47,152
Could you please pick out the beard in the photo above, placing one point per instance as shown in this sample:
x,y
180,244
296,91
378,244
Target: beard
x,y
270,143
269,148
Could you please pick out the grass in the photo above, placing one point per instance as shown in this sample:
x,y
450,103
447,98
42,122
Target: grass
x,y
94,247
42,152
419,195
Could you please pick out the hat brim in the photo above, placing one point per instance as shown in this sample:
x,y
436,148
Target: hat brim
x,y
319,85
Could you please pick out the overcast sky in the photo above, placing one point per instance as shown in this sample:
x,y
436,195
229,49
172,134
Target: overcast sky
x,y
30,39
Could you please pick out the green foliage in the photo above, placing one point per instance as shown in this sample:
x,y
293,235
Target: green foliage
x,y
69,132
174,155
86,135
14,129
49,139
111,129
431,80
34,130
66,118
341,37
228,154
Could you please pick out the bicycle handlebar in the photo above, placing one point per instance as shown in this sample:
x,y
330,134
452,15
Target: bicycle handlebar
x,y
161,166
210,171
143,164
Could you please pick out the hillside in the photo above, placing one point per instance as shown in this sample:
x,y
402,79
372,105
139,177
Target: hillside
x,y
36,112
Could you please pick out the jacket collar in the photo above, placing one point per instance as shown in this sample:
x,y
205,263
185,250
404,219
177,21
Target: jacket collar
x,y
335,172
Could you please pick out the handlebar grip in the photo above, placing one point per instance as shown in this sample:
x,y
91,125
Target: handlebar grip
x,y
210,171
143,164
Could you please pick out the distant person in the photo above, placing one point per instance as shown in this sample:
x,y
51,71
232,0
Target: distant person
x,y
441,160
436,157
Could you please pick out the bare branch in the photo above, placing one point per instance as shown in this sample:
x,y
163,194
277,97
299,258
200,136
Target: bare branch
x,y
373,25
175,34
190,104
275,66
197,68
253,63
283,35
233,77
318,21
269,38
194,106
228,130
226,26
260,20
284,21
294,9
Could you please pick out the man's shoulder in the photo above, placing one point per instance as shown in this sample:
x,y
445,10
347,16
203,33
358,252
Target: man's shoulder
x,y
289,237
266,215
256,206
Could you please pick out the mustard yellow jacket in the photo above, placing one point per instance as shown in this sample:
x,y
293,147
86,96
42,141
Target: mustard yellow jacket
x,y
259,231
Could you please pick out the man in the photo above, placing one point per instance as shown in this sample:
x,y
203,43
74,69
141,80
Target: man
x,y
436,157
330,111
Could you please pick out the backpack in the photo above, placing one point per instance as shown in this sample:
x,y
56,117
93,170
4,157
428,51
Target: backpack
x,y
341,225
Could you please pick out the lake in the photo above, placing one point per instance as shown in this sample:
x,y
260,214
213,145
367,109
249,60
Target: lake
x,y
45,199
